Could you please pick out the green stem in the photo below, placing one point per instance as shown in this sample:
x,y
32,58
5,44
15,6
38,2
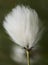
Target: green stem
x,y
28,57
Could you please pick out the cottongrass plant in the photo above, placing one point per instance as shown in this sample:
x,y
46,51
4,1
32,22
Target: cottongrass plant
x,y
22,25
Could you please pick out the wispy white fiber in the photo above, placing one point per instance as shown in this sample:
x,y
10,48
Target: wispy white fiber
x,y
18,54
22,25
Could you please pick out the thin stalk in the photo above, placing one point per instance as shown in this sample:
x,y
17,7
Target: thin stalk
x,y
28,57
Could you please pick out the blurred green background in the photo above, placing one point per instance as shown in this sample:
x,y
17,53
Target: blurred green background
x,y
41,6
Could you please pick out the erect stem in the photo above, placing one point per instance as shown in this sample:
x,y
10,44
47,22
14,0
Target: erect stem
x,y
28,57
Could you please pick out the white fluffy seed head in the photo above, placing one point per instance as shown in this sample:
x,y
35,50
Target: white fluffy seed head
x,y
22,25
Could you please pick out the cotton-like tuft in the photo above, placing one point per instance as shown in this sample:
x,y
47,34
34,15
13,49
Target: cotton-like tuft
x,y
22,25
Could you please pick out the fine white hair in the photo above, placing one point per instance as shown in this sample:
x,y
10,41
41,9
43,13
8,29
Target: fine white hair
x,y
22,25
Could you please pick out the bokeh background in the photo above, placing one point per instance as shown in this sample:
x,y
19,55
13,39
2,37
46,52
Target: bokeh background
x,y
41,6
